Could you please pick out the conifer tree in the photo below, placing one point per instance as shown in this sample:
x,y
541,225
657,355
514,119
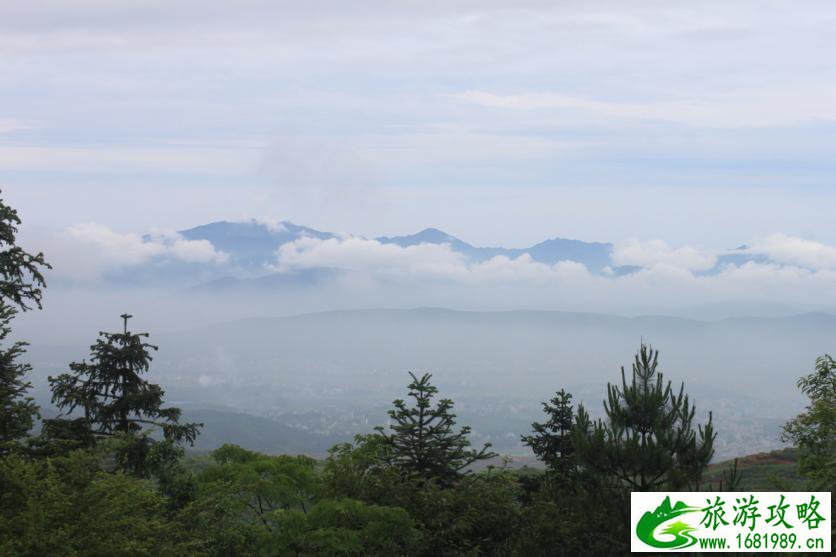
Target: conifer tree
x,y
647,441
424,444
21,283
114,397
552,441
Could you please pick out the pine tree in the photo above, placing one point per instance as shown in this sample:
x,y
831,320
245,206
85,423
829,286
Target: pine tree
x,y
115,399
552,441
647,441
21,283
424,444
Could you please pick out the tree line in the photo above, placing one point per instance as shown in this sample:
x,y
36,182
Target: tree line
x,y
110,476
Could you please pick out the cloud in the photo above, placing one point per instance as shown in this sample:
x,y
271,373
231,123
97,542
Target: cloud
x,y
370,256
669,278
119,249
796,251
756,108
654,252
89,249
418,263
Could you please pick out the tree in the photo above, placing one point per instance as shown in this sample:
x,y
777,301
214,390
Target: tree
x,y
21,283
647,442
116,400
345,527
255,504
424,443
68,506
17,410
21,273
814,431
479,514
551,441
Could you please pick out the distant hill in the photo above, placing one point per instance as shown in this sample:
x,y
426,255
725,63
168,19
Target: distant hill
x,y
337,372
596,256
257,433
252,262
761,471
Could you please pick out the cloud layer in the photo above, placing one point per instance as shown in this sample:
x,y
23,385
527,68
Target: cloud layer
x,y
86,251
802,273
793,272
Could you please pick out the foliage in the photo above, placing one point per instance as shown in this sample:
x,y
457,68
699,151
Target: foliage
x,y
551,442
249,503
344,527
21,283
479,514
116,400
21,273
17,410
759,472
647,442
814,431
424,443
68,506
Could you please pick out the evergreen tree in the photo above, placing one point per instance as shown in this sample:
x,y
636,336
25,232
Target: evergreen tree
x,y
115,399
21,281
17,410
647,442
424,444
21,277
552,441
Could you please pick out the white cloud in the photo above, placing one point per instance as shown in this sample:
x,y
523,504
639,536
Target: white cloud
x,y
654,252
796,251
191,251
362,255
118,249
670,278
97,248
417,263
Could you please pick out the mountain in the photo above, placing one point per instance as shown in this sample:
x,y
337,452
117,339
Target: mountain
x,y
251,244
254,244
250,260
596,256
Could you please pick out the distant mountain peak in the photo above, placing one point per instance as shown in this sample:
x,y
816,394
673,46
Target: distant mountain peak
x,y
253,247
425,236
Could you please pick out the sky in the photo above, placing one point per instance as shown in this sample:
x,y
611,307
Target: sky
x,y
674,130
708,124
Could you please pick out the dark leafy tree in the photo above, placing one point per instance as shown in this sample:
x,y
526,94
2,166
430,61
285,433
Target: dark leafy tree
x,y
647,441
551,441
116,401
814,430
423,443
21,283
